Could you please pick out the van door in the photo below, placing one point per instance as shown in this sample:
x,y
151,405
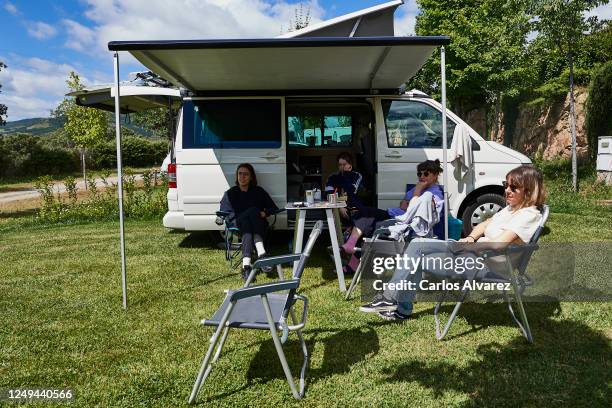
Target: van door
x,y
409,131
219,134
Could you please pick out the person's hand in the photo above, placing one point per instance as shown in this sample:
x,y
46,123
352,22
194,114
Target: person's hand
x,y
420,187
404,204
469,239
344,212
262,214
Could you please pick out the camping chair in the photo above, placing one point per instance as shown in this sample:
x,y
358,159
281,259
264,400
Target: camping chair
x,y
516,260
263,307
381,233
232,244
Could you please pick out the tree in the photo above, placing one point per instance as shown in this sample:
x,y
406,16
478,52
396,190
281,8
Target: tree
x,y
3,107
562,24
598,121
486,54
84,126
301,19
155,120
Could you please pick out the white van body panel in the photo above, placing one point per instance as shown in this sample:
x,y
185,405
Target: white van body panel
x,y
203,175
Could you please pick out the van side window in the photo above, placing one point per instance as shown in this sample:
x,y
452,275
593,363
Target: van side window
x,y
415,124
319,130
232,123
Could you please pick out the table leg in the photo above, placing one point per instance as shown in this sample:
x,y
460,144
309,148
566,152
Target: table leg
x,y
298,237
333,235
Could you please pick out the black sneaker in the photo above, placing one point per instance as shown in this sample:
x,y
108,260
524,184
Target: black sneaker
x,y
265,269
394,315
379,304
246,271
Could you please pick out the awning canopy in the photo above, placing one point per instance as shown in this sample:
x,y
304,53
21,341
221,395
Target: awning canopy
x,y
357,63
133,98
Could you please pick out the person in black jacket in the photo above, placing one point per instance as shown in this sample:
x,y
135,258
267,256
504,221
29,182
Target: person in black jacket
x,y
251,204
346,180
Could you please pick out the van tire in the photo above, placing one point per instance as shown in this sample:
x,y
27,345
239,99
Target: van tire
x,y
480,210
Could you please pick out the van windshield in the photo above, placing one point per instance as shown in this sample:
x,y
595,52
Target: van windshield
x,y
232,123
414,124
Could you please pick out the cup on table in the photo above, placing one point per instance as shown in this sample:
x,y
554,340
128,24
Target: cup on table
x,y
332,198
309,197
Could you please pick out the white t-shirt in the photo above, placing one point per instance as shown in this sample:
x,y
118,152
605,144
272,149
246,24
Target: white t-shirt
x,y
523,223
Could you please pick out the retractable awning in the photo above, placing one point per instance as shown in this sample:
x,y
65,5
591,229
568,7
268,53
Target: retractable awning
x,y
285,64
133,98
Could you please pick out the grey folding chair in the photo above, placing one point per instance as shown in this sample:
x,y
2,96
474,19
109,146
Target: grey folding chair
x,y
516,260
378,234
263,307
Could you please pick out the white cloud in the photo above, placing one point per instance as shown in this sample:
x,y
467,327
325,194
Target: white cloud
x,y
11,8
405,19
40,30
31,87
80,38
603,12
184,19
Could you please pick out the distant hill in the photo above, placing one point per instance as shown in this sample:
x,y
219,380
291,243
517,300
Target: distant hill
x,y
46,126
34,126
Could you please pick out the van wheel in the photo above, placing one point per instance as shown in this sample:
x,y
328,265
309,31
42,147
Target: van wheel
x,y
482,209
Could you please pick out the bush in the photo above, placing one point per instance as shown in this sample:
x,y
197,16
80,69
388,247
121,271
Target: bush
x,y
598,121
25,155
136,152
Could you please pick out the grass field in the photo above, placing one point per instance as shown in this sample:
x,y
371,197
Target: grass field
x,y
63,326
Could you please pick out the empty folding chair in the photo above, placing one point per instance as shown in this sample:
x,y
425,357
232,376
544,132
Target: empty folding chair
x,y
263,307
516,260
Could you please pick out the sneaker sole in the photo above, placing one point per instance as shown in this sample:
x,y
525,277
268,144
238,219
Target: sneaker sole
x,y
393,319
378,309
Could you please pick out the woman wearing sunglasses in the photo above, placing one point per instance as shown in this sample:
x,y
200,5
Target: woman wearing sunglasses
x,y
515,224
365,219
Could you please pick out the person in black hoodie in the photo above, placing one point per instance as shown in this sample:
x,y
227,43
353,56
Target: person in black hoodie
x,y
346,180
250,205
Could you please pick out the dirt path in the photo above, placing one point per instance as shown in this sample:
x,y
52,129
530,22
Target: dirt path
x,y
27,199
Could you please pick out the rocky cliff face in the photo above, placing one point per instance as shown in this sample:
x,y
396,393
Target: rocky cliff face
x,y
546,132
540,131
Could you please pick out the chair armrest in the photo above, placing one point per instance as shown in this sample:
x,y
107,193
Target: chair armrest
x,y
510,249
222,214
276,260
259,290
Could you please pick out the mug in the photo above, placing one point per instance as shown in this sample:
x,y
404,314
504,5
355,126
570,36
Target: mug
x,y
317,194
332,198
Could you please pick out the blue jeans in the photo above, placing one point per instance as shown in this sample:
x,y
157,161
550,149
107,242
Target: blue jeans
x,y
429,250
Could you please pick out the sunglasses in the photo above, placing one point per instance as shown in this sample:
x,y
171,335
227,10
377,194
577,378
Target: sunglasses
x,y
422,173
513,188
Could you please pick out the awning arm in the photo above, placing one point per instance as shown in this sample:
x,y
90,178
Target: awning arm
x,y
120,178
445,150
354,30
379,63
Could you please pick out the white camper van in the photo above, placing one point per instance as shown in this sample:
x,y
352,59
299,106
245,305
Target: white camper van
x,y
290,105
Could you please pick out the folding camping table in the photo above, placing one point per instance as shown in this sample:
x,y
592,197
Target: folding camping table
x,y
332,216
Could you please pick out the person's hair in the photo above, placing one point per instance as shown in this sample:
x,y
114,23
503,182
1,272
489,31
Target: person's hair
x,y
529,179
346,156
432,166
251,170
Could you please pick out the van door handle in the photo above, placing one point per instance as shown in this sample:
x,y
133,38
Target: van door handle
x,y
270,156
395,155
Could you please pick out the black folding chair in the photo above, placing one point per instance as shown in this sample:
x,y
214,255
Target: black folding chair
x,y
263,307
232,242
516,260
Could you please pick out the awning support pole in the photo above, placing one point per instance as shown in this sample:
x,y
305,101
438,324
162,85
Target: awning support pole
x,y
444,144
120,178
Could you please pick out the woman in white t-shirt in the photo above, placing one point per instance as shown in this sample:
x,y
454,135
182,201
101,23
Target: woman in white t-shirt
x,y
515,224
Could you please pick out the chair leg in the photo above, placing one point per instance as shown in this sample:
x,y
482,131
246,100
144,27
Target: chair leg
x,y
441,334
304,352
524,325
207,364
354,282
297,394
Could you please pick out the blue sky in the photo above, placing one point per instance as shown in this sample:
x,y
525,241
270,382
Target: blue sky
x,y
41,41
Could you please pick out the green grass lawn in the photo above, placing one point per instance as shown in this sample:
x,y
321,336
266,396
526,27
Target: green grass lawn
x,y
63,326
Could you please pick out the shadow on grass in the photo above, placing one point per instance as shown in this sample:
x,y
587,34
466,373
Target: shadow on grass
x,y
337,357
18,214
568,364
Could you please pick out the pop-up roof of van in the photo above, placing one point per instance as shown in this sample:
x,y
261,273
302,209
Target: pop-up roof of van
x,y
133,98
356,64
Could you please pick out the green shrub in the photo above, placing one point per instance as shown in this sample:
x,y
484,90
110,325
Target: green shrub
x,y
136,152
25,155
598,106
